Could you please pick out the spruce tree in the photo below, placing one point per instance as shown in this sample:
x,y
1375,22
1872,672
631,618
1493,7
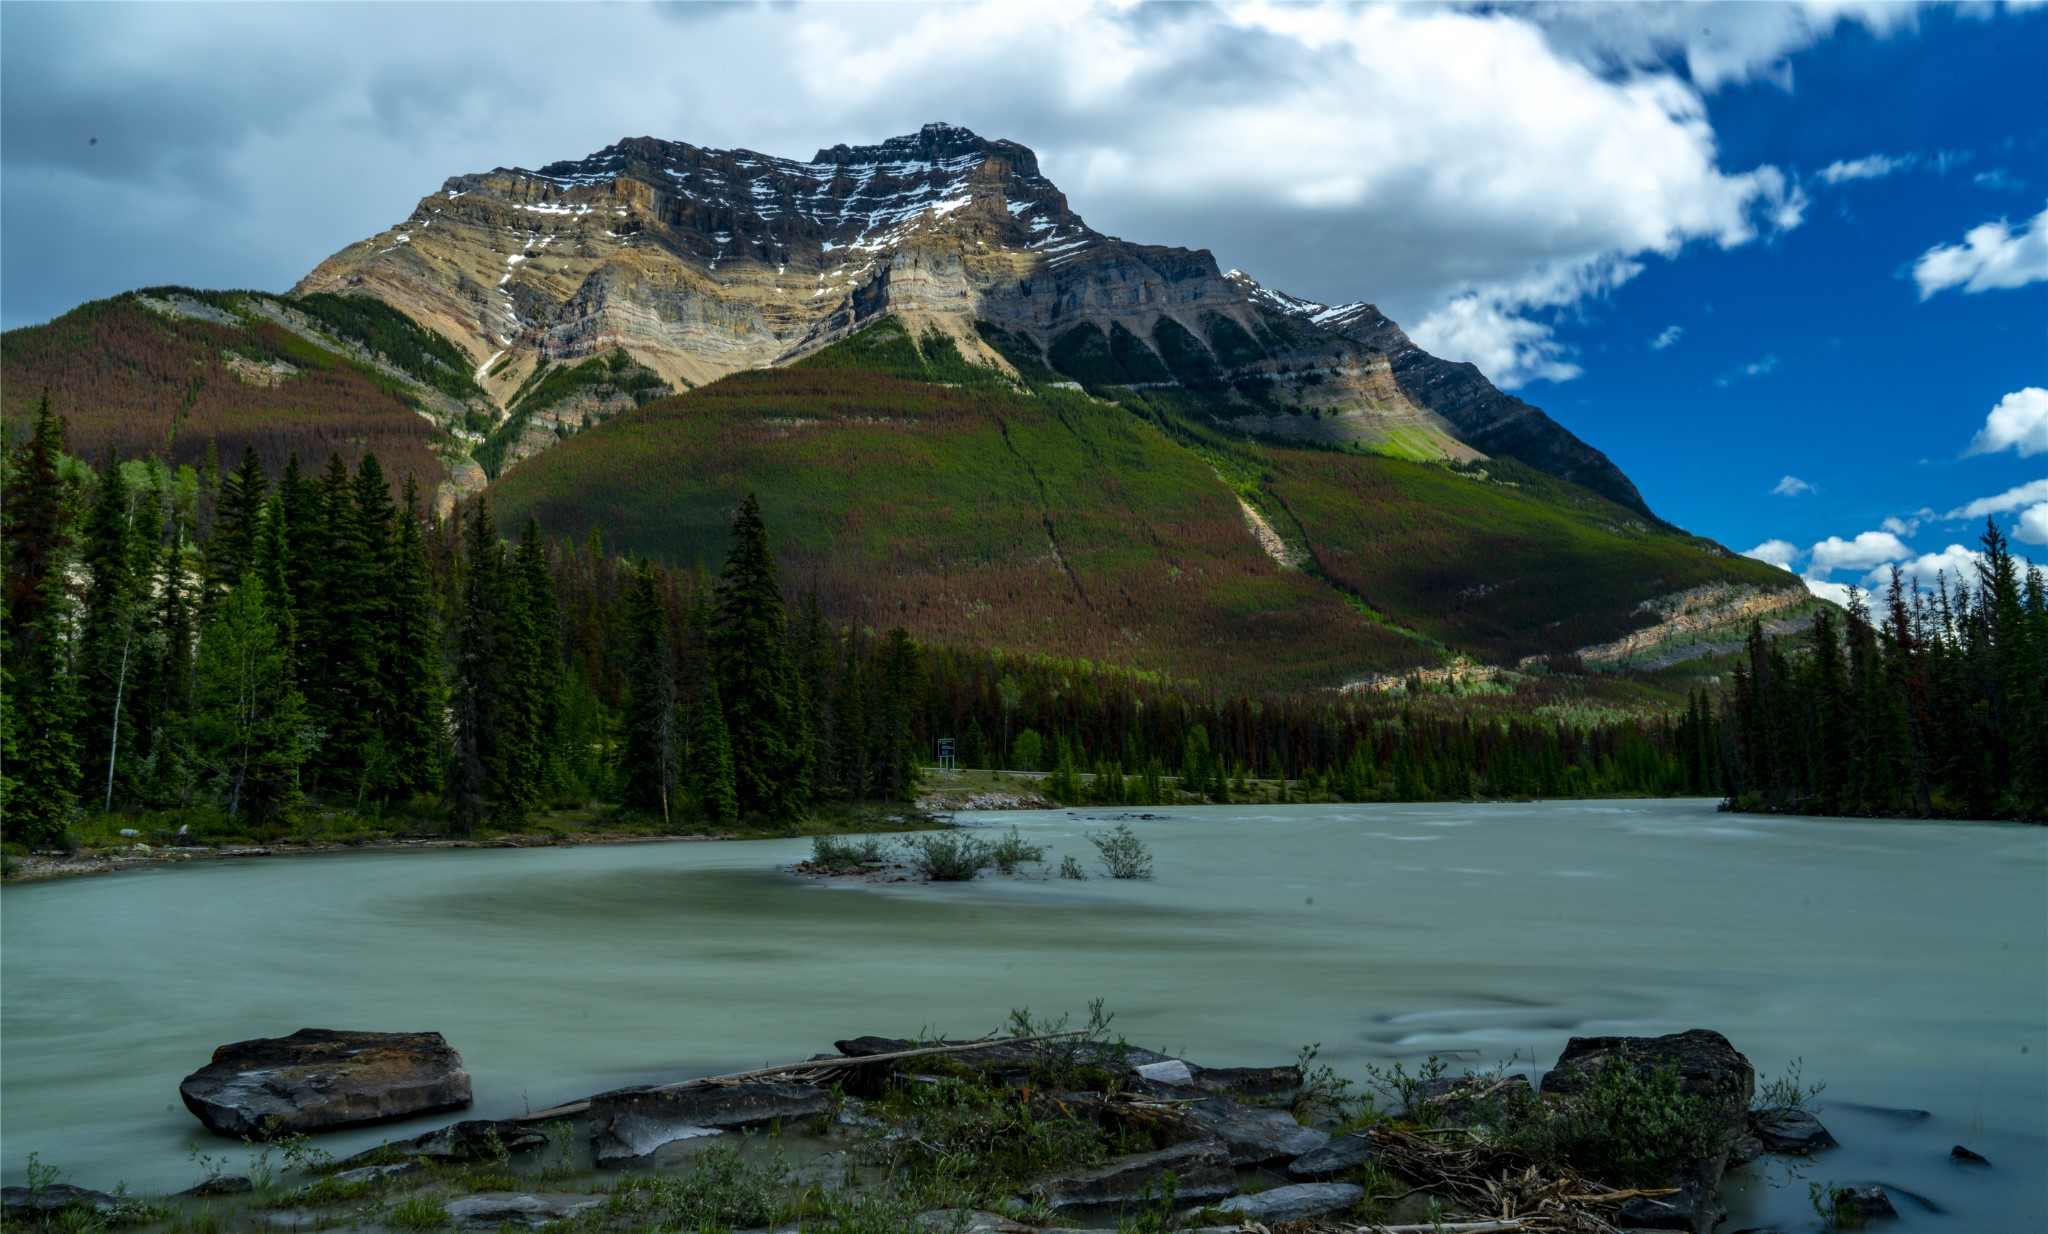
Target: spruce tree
x,y
415,735
539,668
238,521
711,765
247,713
488,649
756,681
647,770
42,693
107,627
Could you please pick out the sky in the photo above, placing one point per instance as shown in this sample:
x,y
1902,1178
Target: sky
x,y
1787,264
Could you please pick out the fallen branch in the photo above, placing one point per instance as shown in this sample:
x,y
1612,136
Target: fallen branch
x,y
1445,1227
574,1108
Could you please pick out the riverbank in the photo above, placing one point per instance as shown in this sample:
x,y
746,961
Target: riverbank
x,y
1047,1128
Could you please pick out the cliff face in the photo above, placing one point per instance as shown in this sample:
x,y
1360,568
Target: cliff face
x,y
699,263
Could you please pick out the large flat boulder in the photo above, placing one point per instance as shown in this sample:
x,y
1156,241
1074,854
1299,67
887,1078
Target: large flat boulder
x,y
630,1125
321,1079
1201,1172
1251,1135
1341,1155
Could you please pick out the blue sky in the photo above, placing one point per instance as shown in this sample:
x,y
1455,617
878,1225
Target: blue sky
x,y
1830,214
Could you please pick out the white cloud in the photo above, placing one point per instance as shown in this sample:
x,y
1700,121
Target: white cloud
x,y
1869,167
1997,178
2011,499
1955,561
1834,593
1791,486
2033,524
1755,368
1780,553
1868,549
1488,167
1670,335
1901,526
1991,257
2019,422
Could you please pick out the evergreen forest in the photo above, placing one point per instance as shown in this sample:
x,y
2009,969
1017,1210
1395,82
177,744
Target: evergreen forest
x,y
236,650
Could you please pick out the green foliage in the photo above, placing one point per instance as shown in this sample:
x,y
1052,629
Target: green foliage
x,y
417,1212
1122,853
946,856
1631,1126
1070,868
1787,1091
722,1191
1008,852
757,686
837,855
610,383
386,332
247,724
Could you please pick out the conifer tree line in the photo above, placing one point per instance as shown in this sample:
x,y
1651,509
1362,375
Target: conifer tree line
x,y
260,646
1935,705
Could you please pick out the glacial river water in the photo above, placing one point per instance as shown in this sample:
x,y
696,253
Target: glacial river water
x,y
1906,963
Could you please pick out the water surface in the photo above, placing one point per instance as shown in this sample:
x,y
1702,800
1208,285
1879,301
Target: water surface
x,y
1907,963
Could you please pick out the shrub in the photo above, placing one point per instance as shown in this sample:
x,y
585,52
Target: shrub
x,y
1123,853
1011,851
721,1192
1632,1125
1070,868
835,855
946,856
417,1212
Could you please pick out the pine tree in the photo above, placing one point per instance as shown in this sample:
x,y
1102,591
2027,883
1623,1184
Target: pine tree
x,y
237,523
42,693
647,771
756,681
900,687
247,713
415,735
712,780
539,668
488,649
107,628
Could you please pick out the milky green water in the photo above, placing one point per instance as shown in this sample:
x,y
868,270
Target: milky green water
x,y
1907,963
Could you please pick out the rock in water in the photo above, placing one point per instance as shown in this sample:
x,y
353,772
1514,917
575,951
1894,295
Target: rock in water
x,y
1967,1157
1861,1204
34,1202
320,1079
1296,1203
1792,1131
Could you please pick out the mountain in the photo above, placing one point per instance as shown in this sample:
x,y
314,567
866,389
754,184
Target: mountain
x,y
698,263
965,411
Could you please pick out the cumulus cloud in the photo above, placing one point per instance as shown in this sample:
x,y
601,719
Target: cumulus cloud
x,y
1991,257
2019,422
1474,171
1780,553
1903,527
2033,524
1868,549
2011,499
1791,486
1669,335
1869,167
1836,594
1955,562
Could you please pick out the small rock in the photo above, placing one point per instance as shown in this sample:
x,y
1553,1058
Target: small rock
x,y
130,831
497,1210
53,1198
1342,1153
631,1124
1251,1135
1298,1202
1864,1203
1794,1132
478,1139
1966,1157
1202,1171
221,1184
1745,1149
319,1079
1277,1085
1172,1071
957,1221
374,1173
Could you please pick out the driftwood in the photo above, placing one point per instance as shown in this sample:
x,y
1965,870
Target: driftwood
x,y
573,1108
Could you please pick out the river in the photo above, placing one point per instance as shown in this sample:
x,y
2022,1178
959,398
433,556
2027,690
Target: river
x,y
1906,963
